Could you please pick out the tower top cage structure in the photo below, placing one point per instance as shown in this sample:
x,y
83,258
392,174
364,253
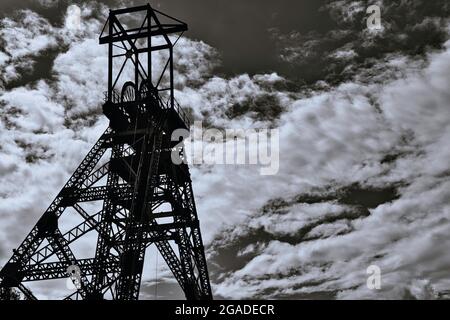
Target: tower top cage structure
x,y
136,45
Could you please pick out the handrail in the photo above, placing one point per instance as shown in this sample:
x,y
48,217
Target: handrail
x,y
182,114
179,110
116,98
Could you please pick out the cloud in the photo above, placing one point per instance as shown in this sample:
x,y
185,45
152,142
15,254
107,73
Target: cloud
x,y
21,41
27,36
329,141
33,110
48,3
410,27
30,36
82,77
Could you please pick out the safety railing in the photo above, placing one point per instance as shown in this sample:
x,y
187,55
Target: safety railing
x,y
178,109
115,98
165,103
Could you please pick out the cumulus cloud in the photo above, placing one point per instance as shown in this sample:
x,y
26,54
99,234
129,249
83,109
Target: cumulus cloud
x,y
21,41
372,136
409,26
26,36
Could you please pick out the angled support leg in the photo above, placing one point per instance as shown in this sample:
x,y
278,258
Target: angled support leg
x,y
27,292
65,254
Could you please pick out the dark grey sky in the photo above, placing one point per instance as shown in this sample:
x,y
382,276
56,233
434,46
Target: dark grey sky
x,y
239,30
252,36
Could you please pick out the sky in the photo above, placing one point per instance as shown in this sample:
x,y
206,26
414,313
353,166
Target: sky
x,y
364,122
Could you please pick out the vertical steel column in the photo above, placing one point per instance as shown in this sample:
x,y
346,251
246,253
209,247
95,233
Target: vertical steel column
x,y
149,44
172,97
110,57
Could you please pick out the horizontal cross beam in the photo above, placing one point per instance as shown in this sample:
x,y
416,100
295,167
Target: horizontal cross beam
x,y
58,270
165,30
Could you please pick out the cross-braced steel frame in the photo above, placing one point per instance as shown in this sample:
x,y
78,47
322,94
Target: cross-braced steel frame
x,y
141,197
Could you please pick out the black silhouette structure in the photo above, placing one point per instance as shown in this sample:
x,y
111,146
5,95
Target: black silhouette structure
x,y
139,197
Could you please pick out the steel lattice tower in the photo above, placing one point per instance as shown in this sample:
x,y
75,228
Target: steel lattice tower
x,y
142,198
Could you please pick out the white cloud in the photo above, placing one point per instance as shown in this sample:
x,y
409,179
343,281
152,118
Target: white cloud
x,y
34,109
82,76
36,146
339,138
